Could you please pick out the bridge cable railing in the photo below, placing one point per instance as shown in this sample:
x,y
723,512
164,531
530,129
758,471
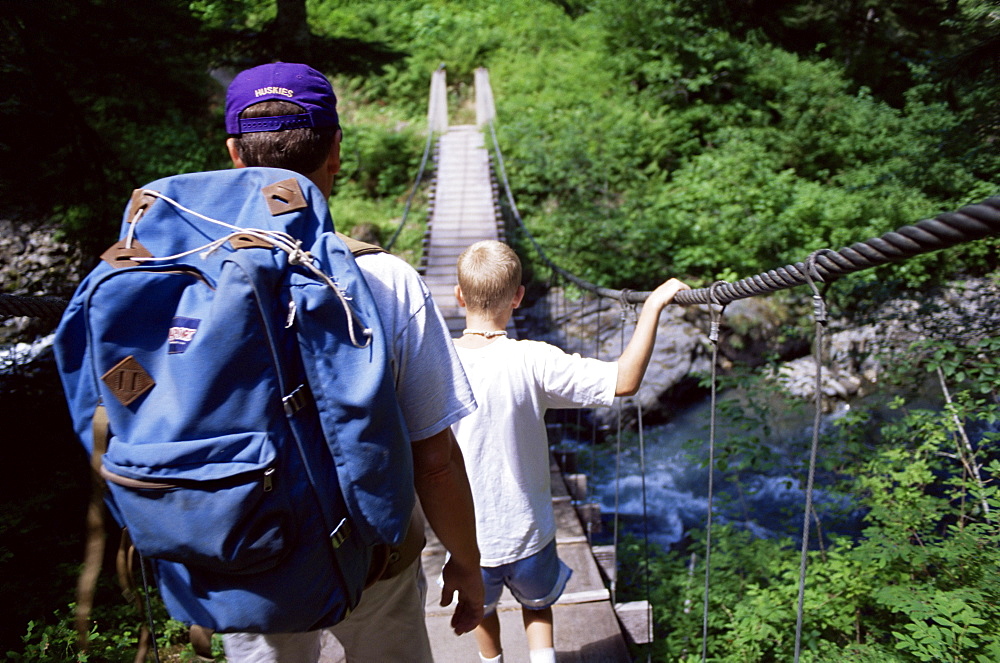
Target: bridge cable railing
x,y
436,109
413,191
46,309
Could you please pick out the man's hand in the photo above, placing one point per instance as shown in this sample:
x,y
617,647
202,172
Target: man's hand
x,y
469,585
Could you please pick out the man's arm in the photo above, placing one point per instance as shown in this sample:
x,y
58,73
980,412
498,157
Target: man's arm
x,y
632,364
446,498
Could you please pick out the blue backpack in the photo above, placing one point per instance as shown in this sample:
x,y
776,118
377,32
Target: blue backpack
x,y
253,446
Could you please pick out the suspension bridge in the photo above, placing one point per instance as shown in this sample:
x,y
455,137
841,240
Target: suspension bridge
x,y
465,206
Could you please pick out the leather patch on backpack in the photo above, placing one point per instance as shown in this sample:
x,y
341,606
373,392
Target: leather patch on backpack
x,y
248,241
119,255
128,380
284,196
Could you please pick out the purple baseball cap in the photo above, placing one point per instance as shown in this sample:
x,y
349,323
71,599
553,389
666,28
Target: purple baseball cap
x,y
284,81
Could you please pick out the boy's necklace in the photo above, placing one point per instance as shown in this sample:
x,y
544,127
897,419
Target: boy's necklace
x,y
485,334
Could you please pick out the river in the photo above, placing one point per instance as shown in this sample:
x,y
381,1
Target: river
x,y
673,490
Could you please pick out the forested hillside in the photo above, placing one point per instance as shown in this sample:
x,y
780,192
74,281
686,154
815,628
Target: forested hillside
x,y
704,139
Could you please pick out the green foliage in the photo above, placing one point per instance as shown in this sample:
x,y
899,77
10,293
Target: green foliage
x,y
97,103
49,643
706,155
920,583
351,214
878,42
460,34
233,14
381,162
668,55
113,637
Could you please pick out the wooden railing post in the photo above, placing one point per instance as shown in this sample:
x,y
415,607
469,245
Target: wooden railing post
x,y
485,110
437,108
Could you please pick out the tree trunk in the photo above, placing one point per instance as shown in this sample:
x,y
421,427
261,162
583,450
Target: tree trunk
x,y
291,31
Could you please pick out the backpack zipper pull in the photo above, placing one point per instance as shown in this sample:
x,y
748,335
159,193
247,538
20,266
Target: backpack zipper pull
x,y
291,314
268,479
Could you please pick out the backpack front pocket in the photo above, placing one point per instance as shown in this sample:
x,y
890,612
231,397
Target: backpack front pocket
x,y
211,504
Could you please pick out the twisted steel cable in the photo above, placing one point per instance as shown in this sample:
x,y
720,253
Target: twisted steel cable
x,y
44,308
948,229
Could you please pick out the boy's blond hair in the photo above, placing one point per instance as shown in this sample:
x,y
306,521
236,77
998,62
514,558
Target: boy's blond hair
x,y
489,273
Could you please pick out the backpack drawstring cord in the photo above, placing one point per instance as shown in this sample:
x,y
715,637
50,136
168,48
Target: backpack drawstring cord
x,y
284,241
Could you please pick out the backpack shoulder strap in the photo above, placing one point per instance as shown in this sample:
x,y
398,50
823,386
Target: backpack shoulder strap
x,y
359,248
391,560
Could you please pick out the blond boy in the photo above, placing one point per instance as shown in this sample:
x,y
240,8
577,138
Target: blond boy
x,y
504,441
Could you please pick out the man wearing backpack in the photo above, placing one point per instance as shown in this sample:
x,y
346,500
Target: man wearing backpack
x,y
284,115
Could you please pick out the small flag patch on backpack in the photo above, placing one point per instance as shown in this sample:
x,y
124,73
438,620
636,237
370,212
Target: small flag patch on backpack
x,y
181,334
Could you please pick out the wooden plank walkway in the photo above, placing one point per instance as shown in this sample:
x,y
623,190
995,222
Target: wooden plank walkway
x,y
586,628
464,211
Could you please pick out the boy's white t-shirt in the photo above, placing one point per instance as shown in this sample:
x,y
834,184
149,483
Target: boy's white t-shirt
x,y
504,441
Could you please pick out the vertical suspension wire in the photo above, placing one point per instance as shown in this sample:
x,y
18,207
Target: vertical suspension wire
x,y
629,311
713,336
645,530
588,499
564,338
582,339
618,458
561,305
551,310
593,423
819,314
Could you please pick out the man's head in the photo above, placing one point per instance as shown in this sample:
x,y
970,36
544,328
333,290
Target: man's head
x,y
489,277
284,115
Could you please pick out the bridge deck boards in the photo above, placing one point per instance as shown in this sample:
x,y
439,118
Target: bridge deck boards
x,y
464,212
585,626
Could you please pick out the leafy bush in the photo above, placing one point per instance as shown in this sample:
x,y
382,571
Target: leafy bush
x,y
113,637
381,162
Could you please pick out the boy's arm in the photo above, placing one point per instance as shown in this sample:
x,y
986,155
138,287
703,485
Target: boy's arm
x,y
632,364
446,498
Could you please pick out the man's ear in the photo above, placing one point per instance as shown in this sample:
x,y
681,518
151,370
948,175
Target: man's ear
x,y
234,154
459,296
333,160
518,296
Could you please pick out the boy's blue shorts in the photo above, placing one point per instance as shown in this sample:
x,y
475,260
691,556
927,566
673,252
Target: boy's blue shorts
x,y
536,581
